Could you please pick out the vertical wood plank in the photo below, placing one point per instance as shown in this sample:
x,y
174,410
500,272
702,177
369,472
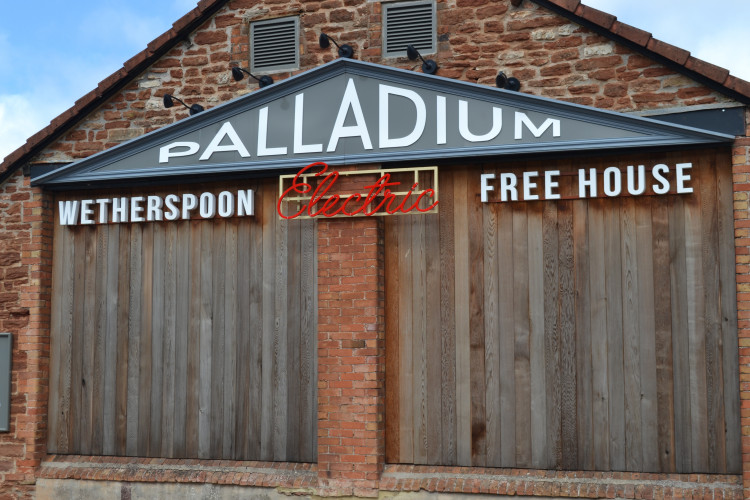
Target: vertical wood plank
x,y
280,366
418,338
553,293
631,311
134,337
680,337
218,344
696,325
268,315
599,336
522,367
193,341
144,323
184,409
259,298
88,341
564,405
231,353
156,377
169,369
462,331
476,324
100,339
109,422
294,304
433,341
647,334
446,215
205,341
584,345
507,293
77,347
540,444
405,321
663,335
123,343
492,334
728,301
308,343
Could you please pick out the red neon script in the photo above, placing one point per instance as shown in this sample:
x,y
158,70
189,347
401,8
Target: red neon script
x,y
321,203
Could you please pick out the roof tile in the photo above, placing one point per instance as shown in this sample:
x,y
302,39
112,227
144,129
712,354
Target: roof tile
x,y
596,16
738,85
631,33
160,40
669,51
134,61
570,5
715,73
86,100
111,80
185,20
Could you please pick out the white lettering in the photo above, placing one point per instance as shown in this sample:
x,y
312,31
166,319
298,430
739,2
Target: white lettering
x,y
463,123
522,119
635,191
441,121
87,212
174,212
584,183
508,187
103,202
215,146
385,141
165,152
350,100
207,205
119,210
485,186
528,185
136,209
658,173
682,177
189,202
263,149
550,184
226,204
68,212
153,209
299,103
245,203
612,181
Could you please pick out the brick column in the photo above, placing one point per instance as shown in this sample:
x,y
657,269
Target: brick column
x,y
25,275
351,443
741,181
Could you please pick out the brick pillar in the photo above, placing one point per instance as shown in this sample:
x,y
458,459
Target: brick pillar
x,y
25,275
351,333
741,181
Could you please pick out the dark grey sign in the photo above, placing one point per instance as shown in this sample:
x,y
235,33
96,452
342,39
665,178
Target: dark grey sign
x,y
350,112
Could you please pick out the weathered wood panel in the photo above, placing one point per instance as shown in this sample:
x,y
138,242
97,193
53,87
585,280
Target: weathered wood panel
x,y
594,334
192,339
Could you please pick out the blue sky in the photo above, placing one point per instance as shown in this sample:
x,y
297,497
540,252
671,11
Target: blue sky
x,y
52,52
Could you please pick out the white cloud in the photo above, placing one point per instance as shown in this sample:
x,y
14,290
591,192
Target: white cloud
x,y
20,118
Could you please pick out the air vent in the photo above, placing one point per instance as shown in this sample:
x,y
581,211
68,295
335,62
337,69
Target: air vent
x,y
274,44
408,23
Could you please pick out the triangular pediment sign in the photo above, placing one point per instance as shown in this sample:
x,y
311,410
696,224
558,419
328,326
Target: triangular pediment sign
x,y
349,112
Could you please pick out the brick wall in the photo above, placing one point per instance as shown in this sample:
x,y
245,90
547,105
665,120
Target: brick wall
x,y
550,55
477,38
25,276
351,349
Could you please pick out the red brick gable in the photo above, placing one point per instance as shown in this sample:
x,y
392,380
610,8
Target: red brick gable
x,y
467,55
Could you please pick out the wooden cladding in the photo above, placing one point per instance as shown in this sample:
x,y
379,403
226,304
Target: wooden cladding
x,y
186,339
575,334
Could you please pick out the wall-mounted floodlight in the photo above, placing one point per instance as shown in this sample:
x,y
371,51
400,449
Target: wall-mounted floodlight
x,y
345,50
429,66
504,82
169,102
238,74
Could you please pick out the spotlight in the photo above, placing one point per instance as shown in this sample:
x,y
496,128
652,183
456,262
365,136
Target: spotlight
x,y
169,102
263,81
428,65
503,82
345,50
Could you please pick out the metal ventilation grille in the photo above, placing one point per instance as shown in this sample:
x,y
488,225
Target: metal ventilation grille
x,y
273,44
409,23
